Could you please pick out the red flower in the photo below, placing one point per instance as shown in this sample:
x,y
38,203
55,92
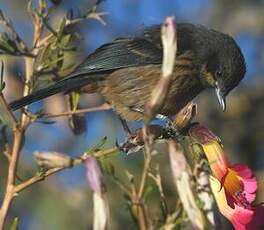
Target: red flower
x,y
234,186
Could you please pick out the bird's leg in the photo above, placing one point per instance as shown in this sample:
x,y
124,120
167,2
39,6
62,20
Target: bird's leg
x,y
126,128
170,129
132,143
135,141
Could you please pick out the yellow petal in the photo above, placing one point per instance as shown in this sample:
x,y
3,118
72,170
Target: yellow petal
x,y
216,158
220,198
232,183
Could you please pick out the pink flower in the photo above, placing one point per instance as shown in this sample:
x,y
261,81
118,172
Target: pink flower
x,y
234,186
94,175
100,202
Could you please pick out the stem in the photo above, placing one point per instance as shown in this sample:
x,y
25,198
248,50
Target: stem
x,y
144,174
10,192
77,161
18,130
141,217
104,106
29,65
8,24
12,189
9,114
18,136
154,105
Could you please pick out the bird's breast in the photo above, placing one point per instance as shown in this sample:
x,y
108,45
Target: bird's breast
x,y
130,88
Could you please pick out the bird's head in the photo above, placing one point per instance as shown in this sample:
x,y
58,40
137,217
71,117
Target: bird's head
x,y
225,67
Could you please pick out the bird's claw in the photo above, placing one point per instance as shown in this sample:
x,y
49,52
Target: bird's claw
x,y
135,141
132,144
170,130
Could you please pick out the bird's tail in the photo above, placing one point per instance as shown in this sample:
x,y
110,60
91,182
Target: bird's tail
x,y
64,85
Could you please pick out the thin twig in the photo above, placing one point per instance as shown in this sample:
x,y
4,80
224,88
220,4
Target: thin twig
x,y
10,115
154,105
77,161
70,22
148,151
3,104
158,182
20,54
20,128
123,187
104,106
8,24
159,93
93,15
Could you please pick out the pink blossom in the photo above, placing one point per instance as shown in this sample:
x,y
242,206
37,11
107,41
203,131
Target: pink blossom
x,y
234,186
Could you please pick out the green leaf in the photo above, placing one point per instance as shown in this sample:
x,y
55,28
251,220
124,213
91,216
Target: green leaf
x,y
60,58
4,120
108,169
75,100
2,83
50,63
14,225
148,191
2,86
61,29
66,40
130,176
7,45
98,146
12,44
40,170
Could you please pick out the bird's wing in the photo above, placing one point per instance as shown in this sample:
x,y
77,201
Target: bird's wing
x,y
121,53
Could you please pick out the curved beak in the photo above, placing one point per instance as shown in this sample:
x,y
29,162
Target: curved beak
x,y
220,97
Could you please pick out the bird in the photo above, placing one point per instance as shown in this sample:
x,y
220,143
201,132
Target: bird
x,y
126,70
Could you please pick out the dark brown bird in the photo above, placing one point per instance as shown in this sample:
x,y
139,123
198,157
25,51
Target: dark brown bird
x,y
126,70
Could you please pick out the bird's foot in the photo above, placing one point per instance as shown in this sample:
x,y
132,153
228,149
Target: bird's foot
x,y
169,129
135,141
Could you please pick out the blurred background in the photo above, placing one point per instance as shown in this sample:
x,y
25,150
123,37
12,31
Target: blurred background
x,y
63,201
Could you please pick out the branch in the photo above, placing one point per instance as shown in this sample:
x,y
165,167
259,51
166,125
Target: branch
x,y
168,36
159,93
3,104
104,106
8,24
154,105
74,162
182,176
90,15
18,132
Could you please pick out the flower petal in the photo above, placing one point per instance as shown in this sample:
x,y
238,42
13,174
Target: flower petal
x,y
243,170
202,134
216,158
248,179
242,215
94,175
239,216
247,176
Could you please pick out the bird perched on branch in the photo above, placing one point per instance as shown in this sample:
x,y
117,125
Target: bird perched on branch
x,y
126,70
